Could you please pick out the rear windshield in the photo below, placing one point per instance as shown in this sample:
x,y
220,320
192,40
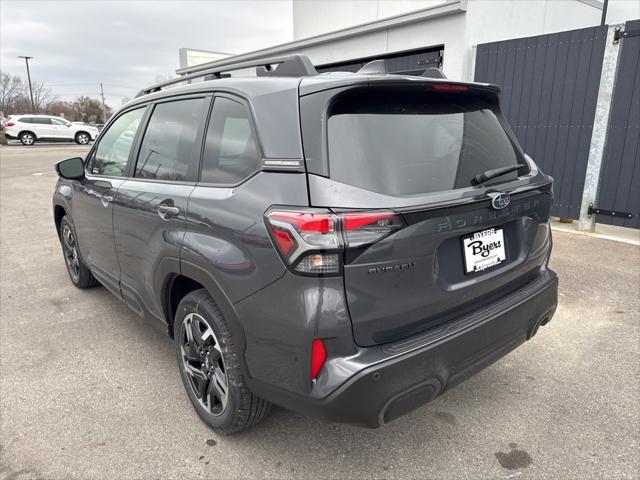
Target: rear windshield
x,y
416,142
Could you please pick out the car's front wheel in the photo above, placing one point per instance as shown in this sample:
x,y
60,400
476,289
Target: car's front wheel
x,y
27,138
82,138
208,361
79,273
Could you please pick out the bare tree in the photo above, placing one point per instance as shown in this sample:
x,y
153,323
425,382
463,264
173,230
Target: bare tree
x,y
42,96
62,108
89,109
11,90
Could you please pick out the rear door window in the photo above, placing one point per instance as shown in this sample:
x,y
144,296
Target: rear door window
x,y
231,150
169,150
403,143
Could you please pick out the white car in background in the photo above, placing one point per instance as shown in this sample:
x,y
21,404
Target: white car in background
x,y
31,128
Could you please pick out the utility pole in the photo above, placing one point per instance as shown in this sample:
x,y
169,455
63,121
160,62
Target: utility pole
x,y
26,60
104,107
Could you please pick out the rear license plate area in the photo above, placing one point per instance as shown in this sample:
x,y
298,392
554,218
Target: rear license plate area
x,y
483,250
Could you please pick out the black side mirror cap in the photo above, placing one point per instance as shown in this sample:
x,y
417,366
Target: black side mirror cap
x,y
71,168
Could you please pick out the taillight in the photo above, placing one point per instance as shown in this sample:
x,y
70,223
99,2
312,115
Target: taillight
x,y
307,240
10,124
318,357
311,241
365,228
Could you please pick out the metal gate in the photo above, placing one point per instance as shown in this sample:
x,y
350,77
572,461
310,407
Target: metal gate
x,y
619,191
549,92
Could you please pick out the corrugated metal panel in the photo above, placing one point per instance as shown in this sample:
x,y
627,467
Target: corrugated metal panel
x,y
550,86
412,61
620,181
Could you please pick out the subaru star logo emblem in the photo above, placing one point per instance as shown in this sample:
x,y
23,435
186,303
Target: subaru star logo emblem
x,y
500,201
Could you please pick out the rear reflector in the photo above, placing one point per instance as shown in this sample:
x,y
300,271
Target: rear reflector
x,y
318,357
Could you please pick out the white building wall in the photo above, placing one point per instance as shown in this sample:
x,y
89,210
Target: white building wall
x,y
331,31
619,11
484,21
315,17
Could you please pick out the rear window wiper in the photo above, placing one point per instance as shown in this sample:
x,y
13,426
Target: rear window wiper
x,y
498,172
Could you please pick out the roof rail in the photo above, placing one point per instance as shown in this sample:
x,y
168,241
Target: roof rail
x,y
285,66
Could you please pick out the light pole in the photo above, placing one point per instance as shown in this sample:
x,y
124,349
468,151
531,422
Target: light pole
x,y
26,60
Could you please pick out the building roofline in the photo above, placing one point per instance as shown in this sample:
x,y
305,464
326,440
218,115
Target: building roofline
x,y
448,7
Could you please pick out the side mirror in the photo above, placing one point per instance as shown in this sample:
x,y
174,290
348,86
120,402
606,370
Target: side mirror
x,y
71,168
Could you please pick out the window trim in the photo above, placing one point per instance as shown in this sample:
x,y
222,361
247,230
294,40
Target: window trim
x,y
133,160
91,156
250,115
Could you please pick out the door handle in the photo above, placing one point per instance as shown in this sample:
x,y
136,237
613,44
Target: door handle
x,y
106,200
167,211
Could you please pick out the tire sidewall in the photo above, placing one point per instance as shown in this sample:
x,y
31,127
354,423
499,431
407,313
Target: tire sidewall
x,y
22,135
66,222
206,310
79,135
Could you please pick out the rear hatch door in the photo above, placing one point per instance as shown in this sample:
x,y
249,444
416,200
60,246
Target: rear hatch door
x,y
413,150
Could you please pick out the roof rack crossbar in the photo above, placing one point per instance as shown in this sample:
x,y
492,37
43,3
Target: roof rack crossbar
x,y
285,66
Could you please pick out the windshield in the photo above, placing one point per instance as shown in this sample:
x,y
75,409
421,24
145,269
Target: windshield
x,y
415,142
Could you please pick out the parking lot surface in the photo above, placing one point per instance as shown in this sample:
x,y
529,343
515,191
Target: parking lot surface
x,y
88,390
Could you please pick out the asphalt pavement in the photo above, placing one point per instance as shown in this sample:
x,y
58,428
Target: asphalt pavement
x,y
90,391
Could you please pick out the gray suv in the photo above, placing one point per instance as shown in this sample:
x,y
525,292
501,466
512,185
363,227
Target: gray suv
x,y
346,245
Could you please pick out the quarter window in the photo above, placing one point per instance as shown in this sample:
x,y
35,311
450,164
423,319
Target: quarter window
x,y
169,145
57,121
231,150
113,150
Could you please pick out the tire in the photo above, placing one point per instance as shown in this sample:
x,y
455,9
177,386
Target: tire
x,y
79,273
209,365
82,138
27,138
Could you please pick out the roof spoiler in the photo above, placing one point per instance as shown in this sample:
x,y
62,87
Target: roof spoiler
x,y
285,66
377,67
433,72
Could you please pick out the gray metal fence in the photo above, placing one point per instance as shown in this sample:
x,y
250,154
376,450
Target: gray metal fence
x,y
549,92
620,179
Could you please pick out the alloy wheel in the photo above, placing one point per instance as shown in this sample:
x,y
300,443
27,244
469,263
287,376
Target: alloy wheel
x,y
83,139
203,363
27,139
70,250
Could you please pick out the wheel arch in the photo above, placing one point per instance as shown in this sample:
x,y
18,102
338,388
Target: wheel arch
x,y
178,282
26,130
58,213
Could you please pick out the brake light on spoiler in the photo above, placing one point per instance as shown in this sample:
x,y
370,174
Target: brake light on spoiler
x,y
311,241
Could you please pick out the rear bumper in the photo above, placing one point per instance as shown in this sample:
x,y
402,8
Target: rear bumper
x,y
396,378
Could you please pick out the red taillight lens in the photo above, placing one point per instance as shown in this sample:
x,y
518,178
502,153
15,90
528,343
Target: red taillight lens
x,y
318,357
307,222
449,87
284,240
365,228
10,124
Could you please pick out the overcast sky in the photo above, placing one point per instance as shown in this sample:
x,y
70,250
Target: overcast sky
x,y
78,44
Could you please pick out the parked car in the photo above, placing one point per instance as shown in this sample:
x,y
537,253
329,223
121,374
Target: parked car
x,y
30,128
344,245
